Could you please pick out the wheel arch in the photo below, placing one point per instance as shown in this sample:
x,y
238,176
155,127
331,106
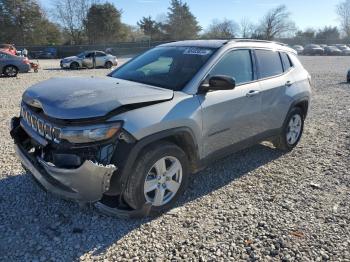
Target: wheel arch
x,y
303,104
183,137
6,66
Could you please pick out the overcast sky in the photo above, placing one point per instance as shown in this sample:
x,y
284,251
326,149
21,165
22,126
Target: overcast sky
x,y
305,13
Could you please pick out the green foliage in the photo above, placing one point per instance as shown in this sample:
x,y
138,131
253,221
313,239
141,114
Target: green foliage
x,y
151,28
328,33
23,22
181,24
103,24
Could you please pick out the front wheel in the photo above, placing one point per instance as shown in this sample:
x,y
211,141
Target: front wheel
x,y
10,71
74,66
291,131
160,177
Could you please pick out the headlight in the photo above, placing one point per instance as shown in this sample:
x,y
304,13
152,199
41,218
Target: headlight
x,y
90,133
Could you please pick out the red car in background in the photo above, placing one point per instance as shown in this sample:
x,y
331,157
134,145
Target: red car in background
x,y
8,49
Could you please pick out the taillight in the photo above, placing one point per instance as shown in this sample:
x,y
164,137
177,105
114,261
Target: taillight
x,y
26,61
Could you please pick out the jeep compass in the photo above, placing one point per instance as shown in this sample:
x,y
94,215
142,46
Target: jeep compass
x,y
129,141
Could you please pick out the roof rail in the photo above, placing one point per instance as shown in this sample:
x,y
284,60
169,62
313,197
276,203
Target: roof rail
x,y
256,41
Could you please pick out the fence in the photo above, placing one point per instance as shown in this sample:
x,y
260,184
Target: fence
x,y
119,49
132,48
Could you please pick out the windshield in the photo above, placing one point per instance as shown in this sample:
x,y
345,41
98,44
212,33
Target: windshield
x,y
167,67
81,55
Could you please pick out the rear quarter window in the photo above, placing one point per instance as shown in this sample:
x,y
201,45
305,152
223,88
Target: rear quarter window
x,y
287,63
269,63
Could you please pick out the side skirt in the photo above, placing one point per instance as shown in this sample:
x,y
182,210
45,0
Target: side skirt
x,y
221,153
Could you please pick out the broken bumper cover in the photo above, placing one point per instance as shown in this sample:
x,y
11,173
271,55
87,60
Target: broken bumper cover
x,y
86,183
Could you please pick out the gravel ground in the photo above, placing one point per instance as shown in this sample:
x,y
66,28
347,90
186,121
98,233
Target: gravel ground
x,y
258,204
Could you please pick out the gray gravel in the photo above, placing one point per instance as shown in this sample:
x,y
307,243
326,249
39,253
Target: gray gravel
x,y
258,204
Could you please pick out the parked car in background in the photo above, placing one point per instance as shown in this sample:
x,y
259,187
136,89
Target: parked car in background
x,y
86,60
344,49
332,50
130,141
47,53
341,46
299,49
313,49
323,46
8,48
11,65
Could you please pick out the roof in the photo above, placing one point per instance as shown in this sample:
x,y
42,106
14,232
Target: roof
x,y
198,43
219,43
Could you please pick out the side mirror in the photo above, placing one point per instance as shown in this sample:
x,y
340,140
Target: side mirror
x,y
218,82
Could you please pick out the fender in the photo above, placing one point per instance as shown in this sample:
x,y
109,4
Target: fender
x,y
119,182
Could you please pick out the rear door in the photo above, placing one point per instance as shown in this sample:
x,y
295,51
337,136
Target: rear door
x,y
100,58
230,116
274,79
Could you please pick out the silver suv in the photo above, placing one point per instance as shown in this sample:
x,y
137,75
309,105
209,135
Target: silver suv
x,y
129,141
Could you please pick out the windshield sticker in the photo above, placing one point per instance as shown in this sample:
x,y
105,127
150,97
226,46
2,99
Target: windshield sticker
x,y
197,51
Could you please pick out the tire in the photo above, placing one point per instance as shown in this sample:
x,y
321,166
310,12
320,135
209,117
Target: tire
x,y
74,66
108,65
288,139
135,194
10,71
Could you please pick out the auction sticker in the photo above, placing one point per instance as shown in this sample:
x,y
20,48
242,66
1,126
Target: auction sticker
x,y
197,51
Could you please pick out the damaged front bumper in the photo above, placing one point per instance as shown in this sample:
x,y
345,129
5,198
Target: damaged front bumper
x,y
85,184
89,182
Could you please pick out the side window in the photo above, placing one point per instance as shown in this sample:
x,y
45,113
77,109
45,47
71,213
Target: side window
x,y
269,63
88,55
100,54
237,64
287,64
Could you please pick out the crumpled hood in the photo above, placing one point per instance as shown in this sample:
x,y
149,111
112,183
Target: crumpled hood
x,y
70,58
80,98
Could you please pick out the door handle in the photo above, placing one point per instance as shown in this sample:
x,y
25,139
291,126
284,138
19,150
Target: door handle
x,y
288,84
252,93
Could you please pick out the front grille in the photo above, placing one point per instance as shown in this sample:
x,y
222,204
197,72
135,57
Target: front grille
x,y
42,127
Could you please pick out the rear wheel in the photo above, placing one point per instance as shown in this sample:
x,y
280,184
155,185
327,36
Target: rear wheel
x,y
74,66
160,177
108,64
10,71
291,131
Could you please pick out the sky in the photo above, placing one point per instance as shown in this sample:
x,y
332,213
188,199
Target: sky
x,y
305,13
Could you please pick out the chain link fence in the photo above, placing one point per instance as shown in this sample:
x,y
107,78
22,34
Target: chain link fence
x,y
133,48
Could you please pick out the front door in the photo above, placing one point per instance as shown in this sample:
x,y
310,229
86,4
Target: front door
x,y
88,60
231,116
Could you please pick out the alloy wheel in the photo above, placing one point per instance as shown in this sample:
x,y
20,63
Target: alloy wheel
x,y
294,129
163,181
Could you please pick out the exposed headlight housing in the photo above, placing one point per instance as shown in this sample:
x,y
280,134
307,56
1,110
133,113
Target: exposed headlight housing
x,y
89,134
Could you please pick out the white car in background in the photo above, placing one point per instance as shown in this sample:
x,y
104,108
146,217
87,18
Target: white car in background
x,y
86,60
299,49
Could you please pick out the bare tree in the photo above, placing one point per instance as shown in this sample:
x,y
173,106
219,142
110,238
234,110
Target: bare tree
x,y
72,14
224,29
276,23
343,12
247,28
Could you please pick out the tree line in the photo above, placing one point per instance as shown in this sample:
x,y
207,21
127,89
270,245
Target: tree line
x,y
26,22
